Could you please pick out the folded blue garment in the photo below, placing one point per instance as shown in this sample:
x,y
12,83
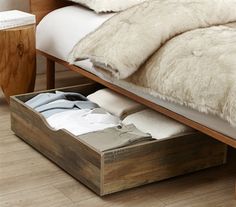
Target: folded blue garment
x,y
51,103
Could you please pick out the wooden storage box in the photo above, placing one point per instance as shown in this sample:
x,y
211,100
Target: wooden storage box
x,y
118,169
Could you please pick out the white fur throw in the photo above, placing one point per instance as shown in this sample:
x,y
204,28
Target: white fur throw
x,y
108,5
195,69
173,50
125,41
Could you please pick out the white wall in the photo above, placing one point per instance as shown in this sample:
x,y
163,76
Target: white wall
x,y
23,5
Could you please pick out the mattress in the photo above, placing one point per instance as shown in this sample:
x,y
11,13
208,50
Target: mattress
x,y
60,30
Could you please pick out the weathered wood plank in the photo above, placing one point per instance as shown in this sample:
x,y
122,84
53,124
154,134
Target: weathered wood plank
x,y
148,163
118,169
61,147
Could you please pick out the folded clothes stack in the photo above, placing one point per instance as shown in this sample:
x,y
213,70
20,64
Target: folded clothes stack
x,y
83,121
95,125
158,125
49,104
115,103
105,120
73,112
131,112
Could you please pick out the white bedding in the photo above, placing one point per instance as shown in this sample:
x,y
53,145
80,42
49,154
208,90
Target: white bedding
x,y
59,31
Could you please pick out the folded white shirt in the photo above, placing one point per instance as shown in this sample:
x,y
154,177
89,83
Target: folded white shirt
x,y
83,121
158,125
115,103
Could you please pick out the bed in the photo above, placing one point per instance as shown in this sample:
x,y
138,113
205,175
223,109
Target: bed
x,y
211,125
208,124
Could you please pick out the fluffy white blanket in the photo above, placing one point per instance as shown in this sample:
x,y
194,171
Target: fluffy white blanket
x,y
173,49
196,69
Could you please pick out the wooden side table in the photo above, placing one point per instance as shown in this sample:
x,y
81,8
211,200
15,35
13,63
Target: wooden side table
x,y
17,60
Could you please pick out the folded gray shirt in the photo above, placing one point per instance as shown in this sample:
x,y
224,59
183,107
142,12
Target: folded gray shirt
x,y
115,137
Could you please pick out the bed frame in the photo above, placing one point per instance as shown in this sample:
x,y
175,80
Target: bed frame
x,y
42,7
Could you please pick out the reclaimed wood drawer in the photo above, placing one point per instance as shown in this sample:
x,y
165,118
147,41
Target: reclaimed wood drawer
x,y
119,169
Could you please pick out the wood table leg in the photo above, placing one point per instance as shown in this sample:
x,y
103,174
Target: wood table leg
x,y
50,74
17,60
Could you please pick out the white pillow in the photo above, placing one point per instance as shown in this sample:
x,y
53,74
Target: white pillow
x,y
108,5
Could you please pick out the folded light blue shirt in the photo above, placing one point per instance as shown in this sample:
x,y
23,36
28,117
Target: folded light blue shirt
x,y
51,103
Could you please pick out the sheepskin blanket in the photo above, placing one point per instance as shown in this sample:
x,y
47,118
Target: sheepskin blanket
x,y
179,50
195,69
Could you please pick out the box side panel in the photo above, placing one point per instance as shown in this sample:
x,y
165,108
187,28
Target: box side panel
x,y
66,151
135,166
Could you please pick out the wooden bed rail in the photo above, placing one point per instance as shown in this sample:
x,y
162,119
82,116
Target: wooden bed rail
x,y
42,7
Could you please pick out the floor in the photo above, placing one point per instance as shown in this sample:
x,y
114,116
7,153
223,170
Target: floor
x,y
29,179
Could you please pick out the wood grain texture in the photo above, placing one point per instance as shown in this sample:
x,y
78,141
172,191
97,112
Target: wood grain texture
x,y
117,169
17,60
46,185
42,7
160,160
61,147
